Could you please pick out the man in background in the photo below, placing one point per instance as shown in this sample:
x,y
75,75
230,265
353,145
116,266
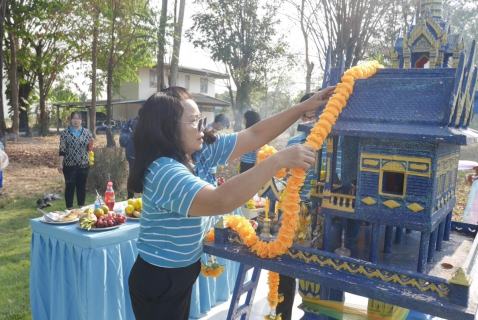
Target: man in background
x,y
126,141
221,122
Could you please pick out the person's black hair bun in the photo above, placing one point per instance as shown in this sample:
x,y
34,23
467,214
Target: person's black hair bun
x,y
209,135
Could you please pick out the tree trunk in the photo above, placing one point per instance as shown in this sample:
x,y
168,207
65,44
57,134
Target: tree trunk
x,y
309,65
24,91
44,118
94,58
243,102
14,83
161,40
3,127
178,30
110,141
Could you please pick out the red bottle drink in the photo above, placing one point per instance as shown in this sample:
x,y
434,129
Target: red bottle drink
x,y
110,196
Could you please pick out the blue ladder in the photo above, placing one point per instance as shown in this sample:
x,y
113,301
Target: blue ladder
x,y
244,310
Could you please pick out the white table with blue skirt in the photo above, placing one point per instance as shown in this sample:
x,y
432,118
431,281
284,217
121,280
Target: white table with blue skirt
x,y
79,274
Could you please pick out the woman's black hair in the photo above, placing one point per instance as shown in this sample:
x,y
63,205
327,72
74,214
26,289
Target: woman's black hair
x,y
75,113
252,117
158,134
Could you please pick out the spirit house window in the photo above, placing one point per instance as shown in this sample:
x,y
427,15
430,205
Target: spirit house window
x,y
393,183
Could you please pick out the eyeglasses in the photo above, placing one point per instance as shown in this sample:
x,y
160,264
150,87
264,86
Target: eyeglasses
x,y
310,118
198,123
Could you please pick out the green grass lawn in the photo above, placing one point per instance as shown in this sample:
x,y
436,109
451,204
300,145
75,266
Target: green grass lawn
x,y
15,236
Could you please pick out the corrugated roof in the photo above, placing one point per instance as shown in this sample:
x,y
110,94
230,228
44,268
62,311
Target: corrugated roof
x,y
87,104
200,99
201,72
204,100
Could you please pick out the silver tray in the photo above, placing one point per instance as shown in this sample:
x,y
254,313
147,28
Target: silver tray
x,y
99,229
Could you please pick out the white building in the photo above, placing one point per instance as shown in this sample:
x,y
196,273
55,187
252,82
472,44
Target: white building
x,y
200,82
132,95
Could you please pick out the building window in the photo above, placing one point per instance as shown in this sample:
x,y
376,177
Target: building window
x,y
187,81
203,88
152,79
393,182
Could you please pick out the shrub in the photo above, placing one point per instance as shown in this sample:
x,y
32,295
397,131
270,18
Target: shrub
x,y
110,165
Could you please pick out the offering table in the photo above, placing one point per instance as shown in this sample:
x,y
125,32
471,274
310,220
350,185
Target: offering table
x,y
79,274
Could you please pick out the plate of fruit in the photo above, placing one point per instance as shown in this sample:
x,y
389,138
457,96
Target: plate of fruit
x,y
94,220
134,209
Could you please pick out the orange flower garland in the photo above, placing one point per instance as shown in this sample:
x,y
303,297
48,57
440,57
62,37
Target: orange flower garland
x,y
268,151
213,272
212,269
290,202
291,199
274,297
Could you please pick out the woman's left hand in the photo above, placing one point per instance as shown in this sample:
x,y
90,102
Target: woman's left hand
x,y
318,100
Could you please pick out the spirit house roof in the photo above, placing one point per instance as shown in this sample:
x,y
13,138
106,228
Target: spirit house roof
x,y
414,104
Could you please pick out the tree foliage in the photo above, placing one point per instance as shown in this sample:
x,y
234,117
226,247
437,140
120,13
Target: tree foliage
x,y
126,43
349,27
41,47
241,35
464,19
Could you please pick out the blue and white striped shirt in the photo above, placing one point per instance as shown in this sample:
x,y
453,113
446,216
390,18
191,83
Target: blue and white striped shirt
x,y
249,157
169,237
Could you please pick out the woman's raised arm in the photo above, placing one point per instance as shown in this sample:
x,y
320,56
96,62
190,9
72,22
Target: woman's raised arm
x,y
263,132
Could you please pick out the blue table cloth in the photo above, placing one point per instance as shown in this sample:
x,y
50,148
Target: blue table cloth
x,y
79,274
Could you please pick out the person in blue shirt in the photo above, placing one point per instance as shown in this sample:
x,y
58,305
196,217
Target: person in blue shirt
x,y
171,169
249,159
126,141
221,122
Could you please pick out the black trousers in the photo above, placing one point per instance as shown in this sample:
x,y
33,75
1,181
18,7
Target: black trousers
x,y
161,293
287,288
131,164
245,166
75,178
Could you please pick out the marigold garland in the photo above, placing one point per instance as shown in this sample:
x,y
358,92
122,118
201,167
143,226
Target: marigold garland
x,y
290,200
213,271
274,297
268,151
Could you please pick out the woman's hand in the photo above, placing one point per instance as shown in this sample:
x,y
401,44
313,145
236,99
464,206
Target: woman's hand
x,y
60,168
296,156
318,100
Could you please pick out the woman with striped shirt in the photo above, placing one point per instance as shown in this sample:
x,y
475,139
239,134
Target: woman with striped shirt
x,y
172,161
